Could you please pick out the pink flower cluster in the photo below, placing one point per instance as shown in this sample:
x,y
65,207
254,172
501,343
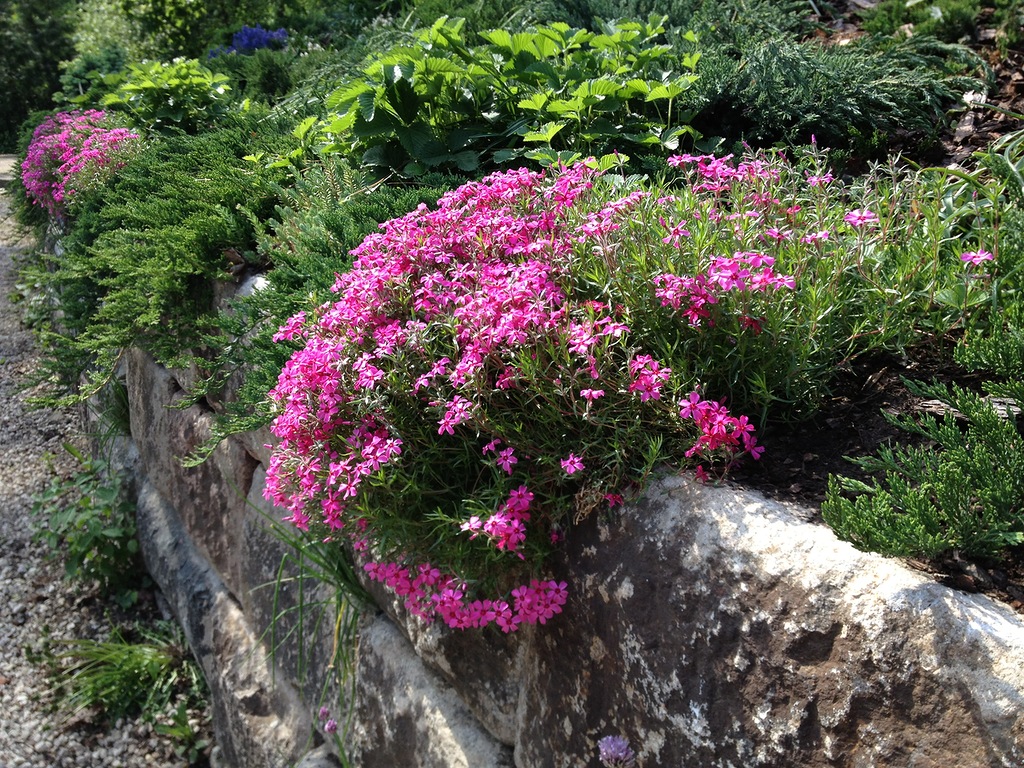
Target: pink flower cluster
x,y
444,315
693,296
716,174
429,593
70,150
718,429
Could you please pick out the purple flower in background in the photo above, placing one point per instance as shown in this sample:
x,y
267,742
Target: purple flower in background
x,y
249,39
614,752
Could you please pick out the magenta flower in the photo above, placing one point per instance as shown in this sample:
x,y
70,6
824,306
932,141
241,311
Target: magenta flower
x,y
976,258
861,218
69,152
591,394
506,459
572,464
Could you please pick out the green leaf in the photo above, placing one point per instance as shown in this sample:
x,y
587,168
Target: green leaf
x,y
545,133
536,102
367,101
303,128
499,37
602,86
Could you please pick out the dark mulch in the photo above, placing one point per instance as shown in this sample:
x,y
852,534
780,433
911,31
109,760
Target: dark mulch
x,y
798,462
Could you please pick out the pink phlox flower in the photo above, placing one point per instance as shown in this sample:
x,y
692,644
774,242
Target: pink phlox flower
x,y
507,378
367,374
519,501
819,180
507,459
506,529
816,237
572,464
648,377
610,327
676,233
976,258
778,234
292,328
474,525
676,291
591,394
440,368
581,337
861,217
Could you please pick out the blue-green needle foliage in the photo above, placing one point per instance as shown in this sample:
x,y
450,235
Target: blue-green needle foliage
x,y
966,493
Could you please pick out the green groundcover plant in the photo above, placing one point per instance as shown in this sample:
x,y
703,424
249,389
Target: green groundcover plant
x,y
958,489
493,370
144,250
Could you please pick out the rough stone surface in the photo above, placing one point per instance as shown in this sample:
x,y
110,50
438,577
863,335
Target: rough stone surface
x,y
273,589
259,720
713,628
407,716
211,497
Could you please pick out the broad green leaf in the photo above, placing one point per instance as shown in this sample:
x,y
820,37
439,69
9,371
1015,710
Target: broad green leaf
x,y
545,133
597,87
664,91
499,37
367,101
607,162
564,106
342,97
303,128
435,65
640,86
535,103
467,160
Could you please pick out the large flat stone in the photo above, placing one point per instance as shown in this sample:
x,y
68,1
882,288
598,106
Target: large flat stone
x,y
714,628
408,716
211,497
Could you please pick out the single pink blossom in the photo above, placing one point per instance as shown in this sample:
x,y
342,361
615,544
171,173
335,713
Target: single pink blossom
x,y
572,464
861,217
976,258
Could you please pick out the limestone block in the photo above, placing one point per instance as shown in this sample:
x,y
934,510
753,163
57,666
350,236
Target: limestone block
x,y
714,628
407,716
211,497
259,720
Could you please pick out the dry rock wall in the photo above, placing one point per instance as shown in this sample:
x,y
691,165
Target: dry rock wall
x,y
709,626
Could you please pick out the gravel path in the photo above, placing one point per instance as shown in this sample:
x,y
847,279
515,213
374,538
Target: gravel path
x,y
36,605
